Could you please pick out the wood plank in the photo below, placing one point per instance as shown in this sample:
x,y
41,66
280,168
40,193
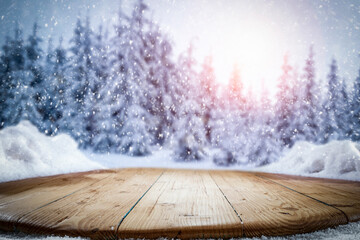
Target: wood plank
x,y
21,197
95,211
182,204
344,195
269,209
14,187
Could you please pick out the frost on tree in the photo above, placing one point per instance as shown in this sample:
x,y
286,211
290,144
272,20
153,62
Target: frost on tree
x,y
118,89
56,99
355,109
285,106
189,137
20,80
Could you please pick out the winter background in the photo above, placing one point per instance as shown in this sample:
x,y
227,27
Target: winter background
x,y
252,85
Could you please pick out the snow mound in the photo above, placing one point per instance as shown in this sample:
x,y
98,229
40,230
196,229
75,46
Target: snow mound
x,y
336,159
25,152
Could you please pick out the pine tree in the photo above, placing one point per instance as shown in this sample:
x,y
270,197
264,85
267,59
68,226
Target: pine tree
x,y
310,100
34,55
297,112
79,117
338,105
56,83
50,112
5,80
129,75
189,135
114,91
355,109
265,146
235,95
157,55
19,102
63,85
229,123
136,139
102,118
345,121
208,94
285,106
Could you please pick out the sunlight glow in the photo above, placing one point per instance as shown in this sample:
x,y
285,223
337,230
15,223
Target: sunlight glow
x,y
253,49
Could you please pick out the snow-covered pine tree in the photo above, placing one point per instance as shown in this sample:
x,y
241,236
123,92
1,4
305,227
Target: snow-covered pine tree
x,y
189,128
50,114
63,85
73,114
345,116
19,102
57,85
235,92
355,110
208,94
265,147
297,99
79,116
100,55
103,131
271,148
133,121
92,86
329,124
338,105
284,106
310,105
251,128
5,80
33,64
160,68
112,112
228,122
138,122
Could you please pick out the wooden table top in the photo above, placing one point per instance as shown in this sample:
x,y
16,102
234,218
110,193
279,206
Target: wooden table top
x,y
153,203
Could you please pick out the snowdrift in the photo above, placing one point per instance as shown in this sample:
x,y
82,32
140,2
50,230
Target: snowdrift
x,y
336,159
25,153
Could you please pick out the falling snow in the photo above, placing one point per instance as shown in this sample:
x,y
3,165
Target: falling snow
x,y
236,83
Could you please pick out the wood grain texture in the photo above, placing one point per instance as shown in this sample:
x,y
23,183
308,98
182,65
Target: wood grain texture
x,y
21,197
182,204
153,203
344,195
94,211
269,209
14,187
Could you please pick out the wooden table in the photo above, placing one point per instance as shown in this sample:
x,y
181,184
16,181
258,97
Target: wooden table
x,y
152,203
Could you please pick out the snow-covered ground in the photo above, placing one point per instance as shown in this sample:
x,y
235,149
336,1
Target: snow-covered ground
x,y
336,159
25,152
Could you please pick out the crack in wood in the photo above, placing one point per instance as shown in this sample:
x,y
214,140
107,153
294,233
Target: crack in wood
x,y
237,214
126,214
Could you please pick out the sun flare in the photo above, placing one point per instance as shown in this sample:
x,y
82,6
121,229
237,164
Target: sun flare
x,y
253,49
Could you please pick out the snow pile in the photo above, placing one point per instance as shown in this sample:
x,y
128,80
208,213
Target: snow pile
x,y
336,159
25,152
